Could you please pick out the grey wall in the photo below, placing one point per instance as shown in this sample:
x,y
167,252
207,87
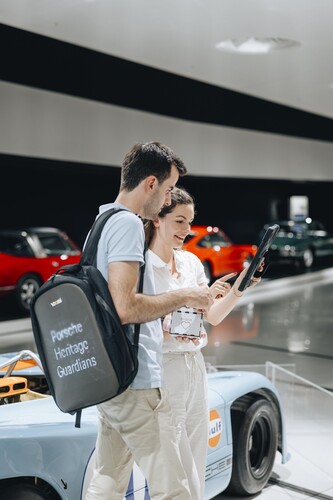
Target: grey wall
x,y
68,115
44,124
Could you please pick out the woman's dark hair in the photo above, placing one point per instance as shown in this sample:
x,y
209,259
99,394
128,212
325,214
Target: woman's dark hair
x,y
179,196
151,158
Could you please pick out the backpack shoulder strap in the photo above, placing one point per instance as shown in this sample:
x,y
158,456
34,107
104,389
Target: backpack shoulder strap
x,y
140,289
90,248
89,254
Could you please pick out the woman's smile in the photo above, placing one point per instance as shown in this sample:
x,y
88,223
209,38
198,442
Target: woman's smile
x,y
180,238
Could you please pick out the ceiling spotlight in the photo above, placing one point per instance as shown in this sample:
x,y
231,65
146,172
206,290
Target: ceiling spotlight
x,y
255,45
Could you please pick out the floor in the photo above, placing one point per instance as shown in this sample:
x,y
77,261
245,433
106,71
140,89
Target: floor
x,y
288,323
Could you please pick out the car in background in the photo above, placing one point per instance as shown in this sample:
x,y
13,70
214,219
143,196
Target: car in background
x,y
218,254
43,456
28,257
300,243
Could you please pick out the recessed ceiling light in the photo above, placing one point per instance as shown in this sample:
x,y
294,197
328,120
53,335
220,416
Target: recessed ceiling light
x,y
255,45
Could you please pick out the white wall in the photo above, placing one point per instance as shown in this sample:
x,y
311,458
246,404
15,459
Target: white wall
x,y
44,124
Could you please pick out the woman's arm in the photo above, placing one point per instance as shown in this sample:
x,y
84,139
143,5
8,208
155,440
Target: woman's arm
x,y
223,306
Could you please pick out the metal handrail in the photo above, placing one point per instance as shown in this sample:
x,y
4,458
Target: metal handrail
x,y
305,381
11,363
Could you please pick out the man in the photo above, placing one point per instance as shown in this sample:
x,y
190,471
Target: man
x,y
138,424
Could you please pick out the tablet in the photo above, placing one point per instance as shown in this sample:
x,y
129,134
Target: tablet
x,y
259,256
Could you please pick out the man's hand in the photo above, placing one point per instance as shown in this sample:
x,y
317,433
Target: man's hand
x,y
199,297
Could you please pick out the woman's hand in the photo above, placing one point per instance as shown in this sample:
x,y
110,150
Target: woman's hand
x,y
253,282
220,287
194,340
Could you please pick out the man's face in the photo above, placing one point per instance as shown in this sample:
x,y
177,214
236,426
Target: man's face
x,y
160,195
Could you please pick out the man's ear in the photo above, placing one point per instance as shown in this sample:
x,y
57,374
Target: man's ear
x,y
150,182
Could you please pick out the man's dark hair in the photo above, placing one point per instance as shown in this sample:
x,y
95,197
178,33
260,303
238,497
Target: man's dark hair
x,y
150,158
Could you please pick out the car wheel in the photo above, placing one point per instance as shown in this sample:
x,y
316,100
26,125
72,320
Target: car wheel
x,y
25,491
307,258
26,289
208,271
255,437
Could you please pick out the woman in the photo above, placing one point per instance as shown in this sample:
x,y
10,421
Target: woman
x,y
183,363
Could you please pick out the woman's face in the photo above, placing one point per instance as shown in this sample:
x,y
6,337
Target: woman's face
x,y
175,226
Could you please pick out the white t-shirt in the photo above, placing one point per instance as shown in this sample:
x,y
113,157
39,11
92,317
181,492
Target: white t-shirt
x,y
190,273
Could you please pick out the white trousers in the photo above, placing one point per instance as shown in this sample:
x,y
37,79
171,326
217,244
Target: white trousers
x,y
186,380
138,425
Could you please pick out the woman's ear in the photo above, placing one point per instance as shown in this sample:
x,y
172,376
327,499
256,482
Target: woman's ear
x,y
156,222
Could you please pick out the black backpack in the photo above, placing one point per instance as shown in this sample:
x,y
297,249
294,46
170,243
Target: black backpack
x,y
87,354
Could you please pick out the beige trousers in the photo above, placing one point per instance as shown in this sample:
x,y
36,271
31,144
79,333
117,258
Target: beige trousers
x,y
138,425
186,380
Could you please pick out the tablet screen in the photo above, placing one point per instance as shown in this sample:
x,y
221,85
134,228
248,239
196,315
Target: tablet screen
x,y
259,256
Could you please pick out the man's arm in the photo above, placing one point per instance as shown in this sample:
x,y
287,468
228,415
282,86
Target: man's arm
x,y
133,307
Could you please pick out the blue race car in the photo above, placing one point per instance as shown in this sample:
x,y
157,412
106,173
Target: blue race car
x,y
43,456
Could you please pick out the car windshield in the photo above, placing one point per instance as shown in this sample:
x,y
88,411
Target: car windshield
x,y
213,240
298,230
15,245
56,244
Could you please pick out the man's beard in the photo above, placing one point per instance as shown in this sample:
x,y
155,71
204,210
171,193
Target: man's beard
x,y
150,212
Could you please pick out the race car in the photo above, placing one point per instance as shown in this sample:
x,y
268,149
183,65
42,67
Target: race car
x,y
218,254
43,456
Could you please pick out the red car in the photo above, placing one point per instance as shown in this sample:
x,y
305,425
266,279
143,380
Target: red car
x,y
29,257
217,252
